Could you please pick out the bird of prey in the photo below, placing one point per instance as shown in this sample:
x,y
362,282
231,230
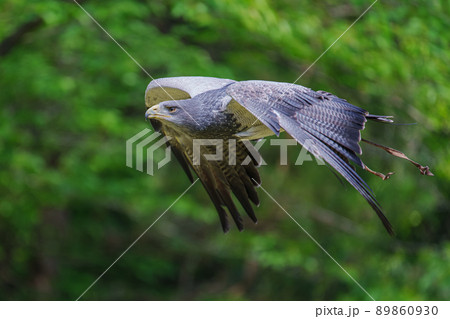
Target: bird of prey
x,y
191,108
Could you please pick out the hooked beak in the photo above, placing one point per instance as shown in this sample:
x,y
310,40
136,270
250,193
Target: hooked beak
x,y
153,113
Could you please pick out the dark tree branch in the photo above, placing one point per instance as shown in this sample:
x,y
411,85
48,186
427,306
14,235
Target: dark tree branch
x,y
16,37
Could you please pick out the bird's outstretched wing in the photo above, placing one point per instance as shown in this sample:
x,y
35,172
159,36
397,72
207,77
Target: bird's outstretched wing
x,y
219,178
319,119
180,88
222,176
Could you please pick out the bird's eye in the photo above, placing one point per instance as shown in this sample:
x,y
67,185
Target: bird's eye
x,y
171,109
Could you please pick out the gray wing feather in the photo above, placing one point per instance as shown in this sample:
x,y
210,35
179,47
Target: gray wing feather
x,y
301,135
179,88
219,178
325,115
331,123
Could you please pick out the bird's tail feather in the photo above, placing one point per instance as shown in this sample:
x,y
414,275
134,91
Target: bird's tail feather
x,y
380,118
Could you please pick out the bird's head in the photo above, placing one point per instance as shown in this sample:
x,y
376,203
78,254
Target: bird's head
x,y
198,117
172,113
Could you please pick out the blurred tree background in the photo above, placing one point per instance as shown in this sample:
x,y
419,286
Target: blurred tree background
x,y
70,98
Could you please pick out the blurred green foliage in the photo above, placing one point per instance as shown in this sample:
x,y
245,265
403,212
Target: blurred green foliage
x,y
70,98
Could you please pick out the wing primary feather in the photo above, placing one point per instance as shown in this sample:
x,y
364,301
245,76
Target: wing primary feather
x,y
253,174
205,177
249,187
240,192
230,172
338,147
228,201
292,127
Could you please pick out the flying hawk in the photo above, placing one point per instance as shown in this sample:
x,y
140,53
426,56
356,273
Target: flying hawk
x,y
190,109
